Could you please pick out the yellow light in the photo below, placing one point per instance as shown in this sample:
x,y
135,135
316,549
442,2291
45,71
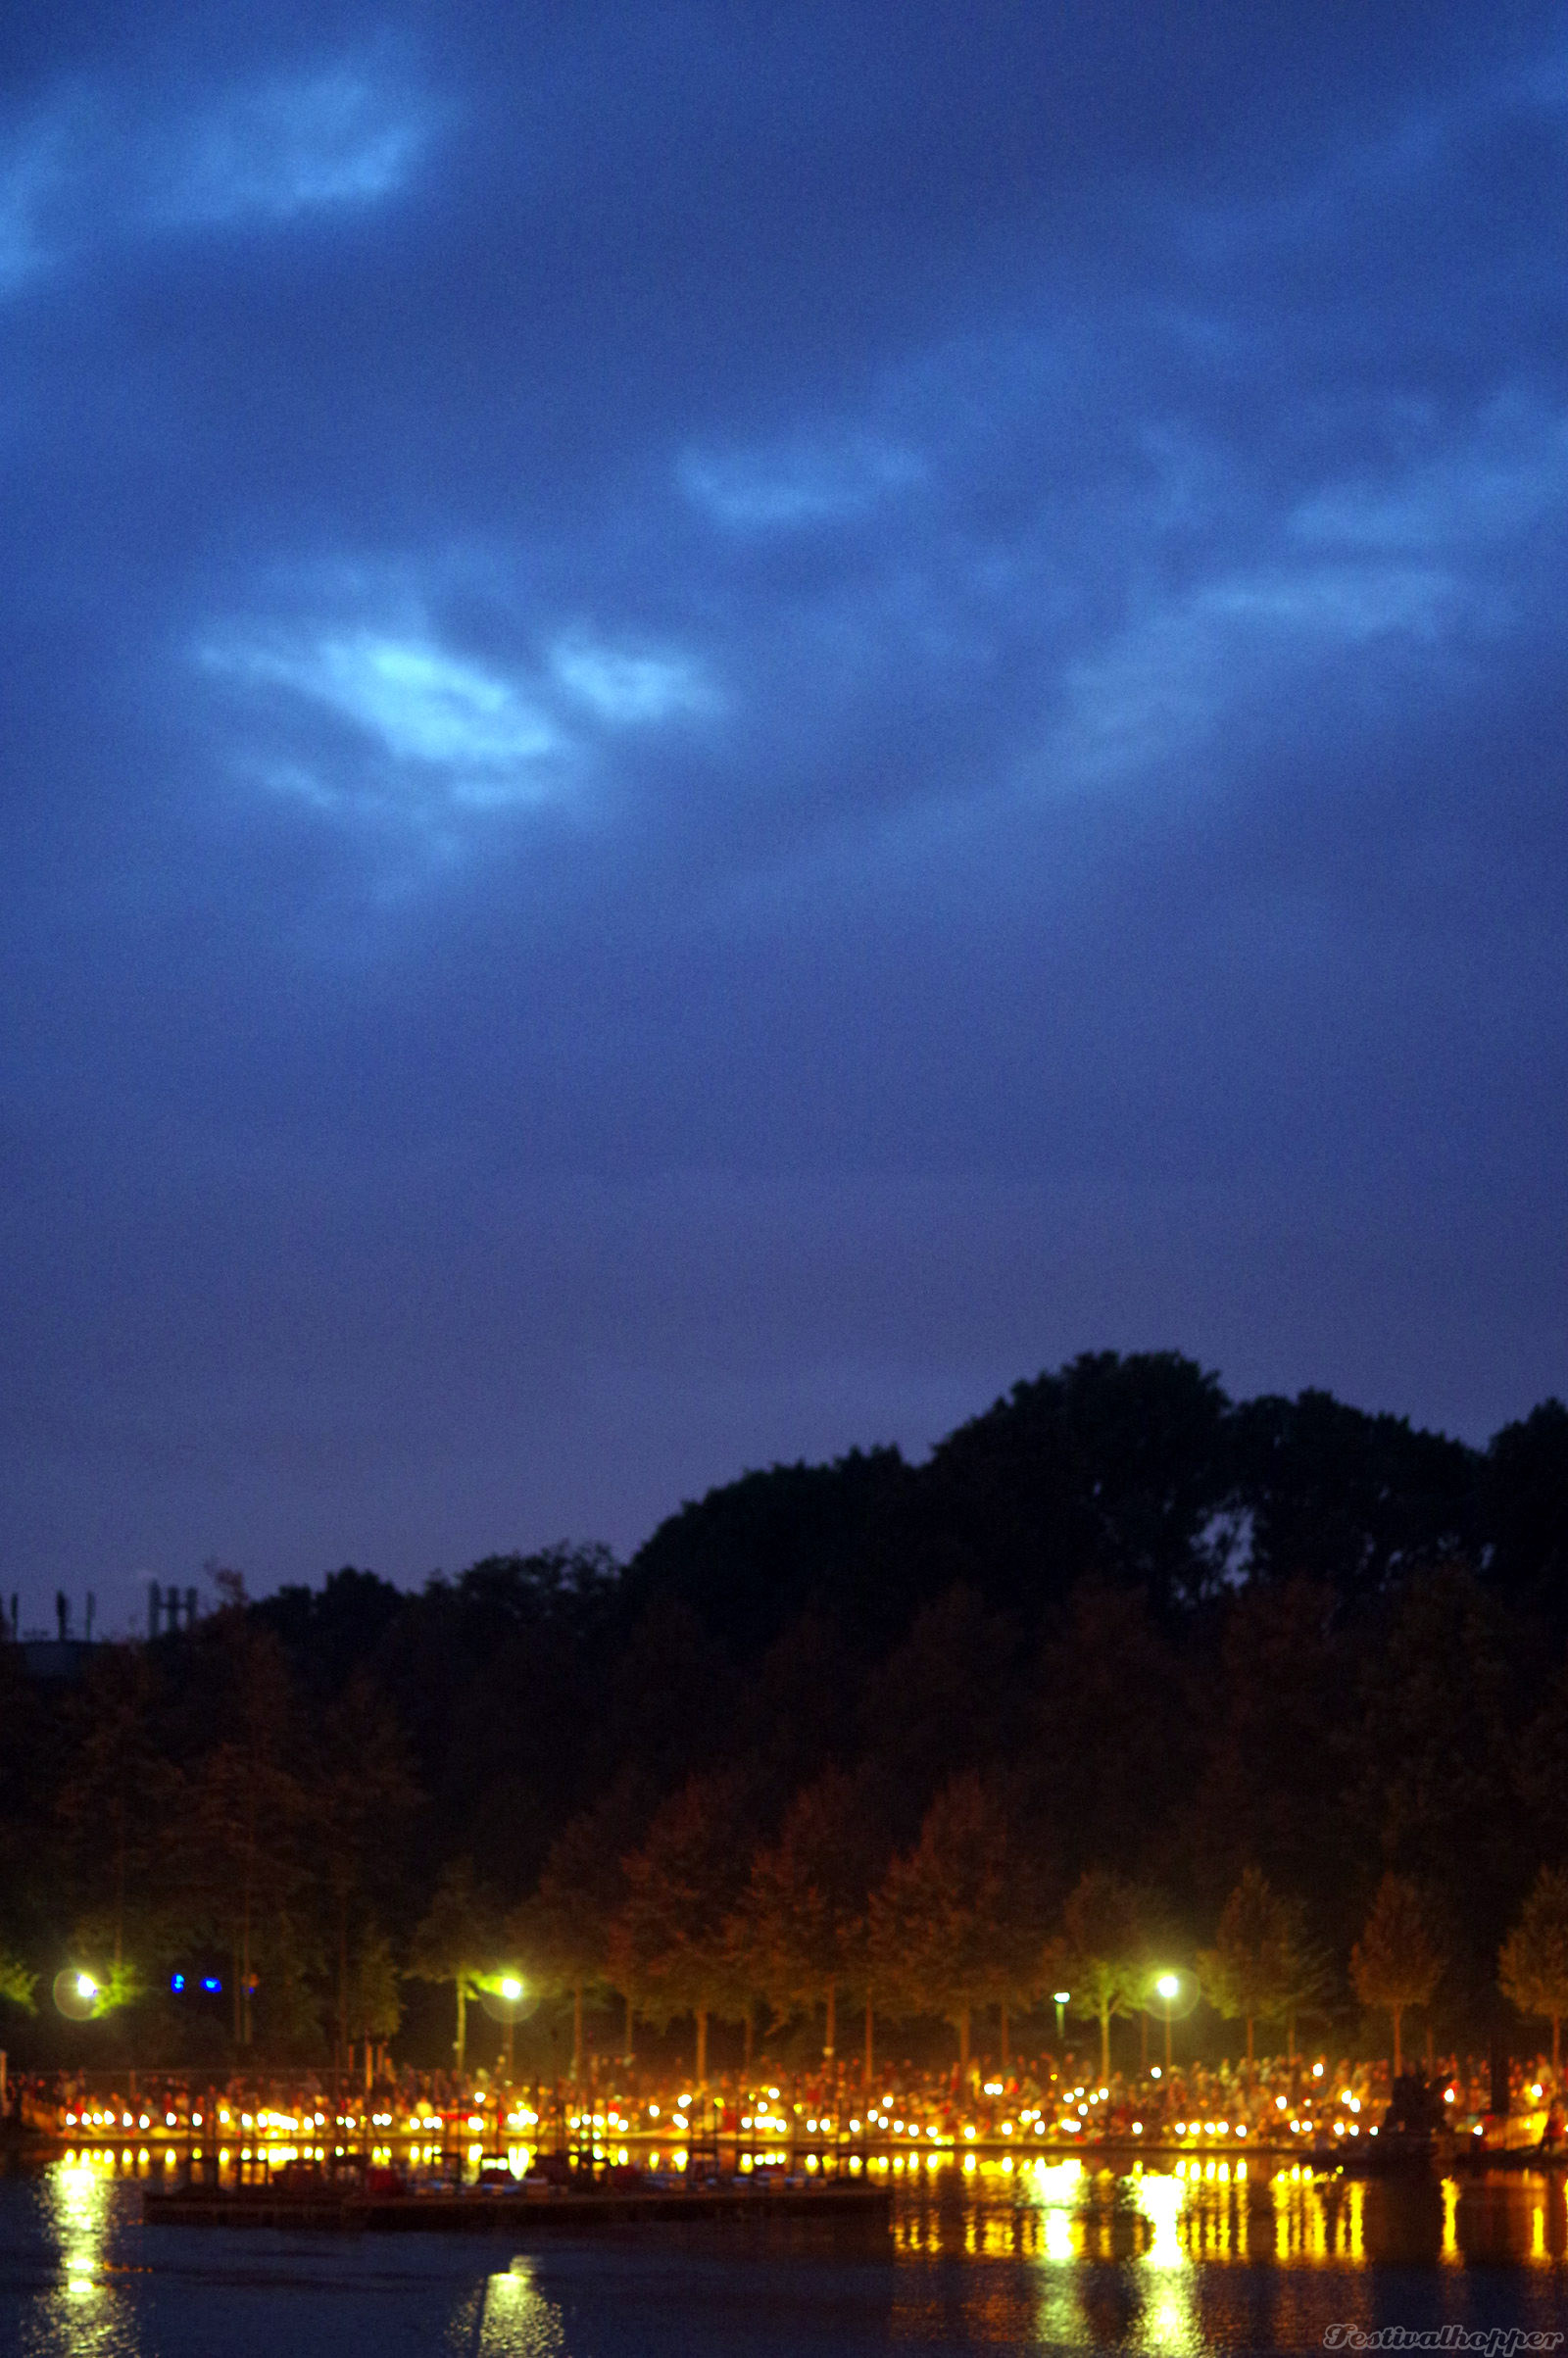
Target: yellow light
x,y
1168,1986
86,1986
512,1988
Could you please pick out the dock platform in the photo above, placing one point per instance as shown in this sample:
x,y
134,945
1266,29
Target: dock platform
x,y
486,2211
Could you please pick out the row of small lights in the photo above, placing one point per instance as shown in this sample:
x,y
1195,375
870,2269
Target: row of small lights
x,y
761,2118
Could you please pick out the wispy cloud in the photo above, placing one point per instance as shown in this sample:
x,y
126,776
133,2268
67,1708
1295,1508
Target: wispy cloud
x,y
786,488
339,138
1161,685
627,689
81,168
1497,482
431,730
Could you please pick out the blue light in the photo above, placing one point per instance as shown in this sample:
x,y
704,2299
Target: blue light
x,y
210,1982
176,1980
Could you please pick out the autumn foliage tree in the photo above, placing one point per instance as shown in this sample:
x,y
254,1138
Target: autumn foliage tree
x,y
954,1924
1532,1966
457,1941
801,1928
1101,1954
1249,1971
1396,1963
568,1928
682,1887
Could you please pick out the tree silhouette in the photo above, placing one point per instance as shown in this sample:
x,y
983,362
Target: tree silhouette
x,y
362,1795
682,1887
115,1795
954,1924
1248,1970
234,1856
1532,1966
1396,1963
568,1927
1101,1954
455,1941
800,1931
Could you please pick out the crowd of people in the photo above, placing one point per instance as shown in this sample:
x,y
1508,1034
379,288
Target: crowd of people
x,y
1042,2100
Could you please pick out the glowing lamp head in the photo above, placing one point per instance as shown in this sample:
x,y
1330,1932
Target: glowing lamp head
x,y
86,1986
1063,1995
1168,1986
510,1989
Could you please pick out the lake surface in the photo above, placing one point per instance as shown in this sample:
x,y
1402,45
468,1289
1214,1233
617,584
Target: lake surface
x,y
1041,2257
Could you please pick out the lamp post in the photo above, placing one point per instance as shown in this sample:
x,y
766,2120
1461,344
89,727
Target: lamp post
x,y
1060,1998
512,1992
1168,1986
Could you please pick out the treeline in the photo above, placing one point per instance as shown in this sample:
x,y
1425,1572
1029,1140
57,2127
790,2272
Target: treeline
x,y
1119,1642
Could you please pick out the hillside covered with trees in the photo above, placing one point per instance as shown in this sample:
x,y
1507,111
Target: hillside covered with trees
x,y
1124,1670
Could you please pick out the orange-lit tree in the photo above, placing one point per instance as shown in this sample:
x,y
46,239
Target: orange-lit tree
x,y
457,1941
683,1884
1533,1967
1248,1970
1102,1953
570,1932
1396,1963
954,1924
798,1933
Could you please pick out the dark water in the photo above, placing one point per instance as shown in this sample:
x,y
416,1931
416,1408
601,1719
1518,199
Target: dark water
x,y
1033,2259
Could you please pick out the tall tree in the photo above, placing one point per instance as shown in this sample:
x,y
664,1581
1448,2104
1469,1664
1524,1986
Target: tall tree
x,y
116,1795
1249,1971
567,1930
1102,1953
1525,1490
1533,1967
800,1925
682,1886
363,1797
235,1856
954,1924
1355,1500
1396,1963
457,1941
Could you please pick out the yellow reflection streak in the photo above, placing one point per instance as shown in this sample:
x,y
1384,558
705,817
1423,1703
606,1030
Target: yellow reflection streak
x,y
517,2320
1165,2273
1450,2222
1054,2191
79,2315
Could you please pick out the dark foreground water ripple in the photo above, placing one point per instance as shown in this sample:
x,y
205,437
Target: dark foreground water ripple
x,y
1043,2258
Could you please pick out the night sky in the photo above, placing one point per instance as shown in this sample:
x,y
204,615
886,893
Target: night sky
x,y
722,723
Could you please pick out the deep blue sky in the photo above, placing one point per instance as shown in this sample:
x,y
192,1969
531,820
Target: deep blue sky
x,y
721,723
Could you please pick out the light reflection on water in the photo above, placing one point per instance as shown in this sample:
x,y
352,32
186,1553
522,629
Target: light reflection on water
x,y
1178,2260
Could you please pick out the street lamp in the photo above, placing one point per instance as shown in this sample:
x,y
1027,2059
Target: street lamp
x,y
1061,1996
78,1993
1169,1988
506,2000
